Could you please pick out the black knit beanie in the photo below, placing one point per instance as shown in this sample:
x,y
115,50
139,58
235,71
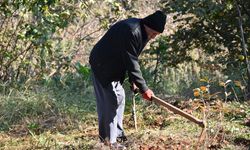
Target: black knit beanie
x,y
155,21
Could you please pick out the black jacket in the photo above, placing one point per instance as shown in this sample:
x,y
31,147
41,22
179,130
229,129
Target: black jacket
x,y
117,52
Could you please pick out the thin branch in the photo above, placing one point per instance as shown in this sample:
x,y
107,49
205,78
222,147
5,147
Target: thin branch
x,y
13,34
3,21
14,59
242,4
89,34
82,26
7,22
244,47
156,66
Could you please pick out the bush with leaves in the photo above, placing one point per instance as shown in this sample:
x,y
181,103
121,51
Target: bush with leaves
x,y
213,30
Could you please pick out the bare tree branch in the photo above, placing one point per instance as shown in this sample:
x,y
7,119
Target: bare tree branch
x,y
242,4
244,47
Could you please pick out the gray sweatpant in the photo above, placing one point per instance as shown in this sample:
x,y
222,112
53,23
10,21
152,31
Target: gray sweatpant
x,y
110,103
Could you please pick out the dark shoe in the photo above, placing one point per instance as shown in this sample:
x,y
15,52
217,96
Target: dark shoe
x,y
117,146
121,139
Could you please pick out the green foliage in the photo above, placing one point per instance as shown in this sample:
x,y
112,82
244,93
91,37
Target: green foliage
x,y
209,25
83,70
28,28
205,41
42,40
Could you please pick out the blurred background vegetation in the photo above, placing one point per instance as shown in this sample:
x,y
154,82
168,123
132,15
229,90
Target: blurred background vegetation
x,y
45,45
50,40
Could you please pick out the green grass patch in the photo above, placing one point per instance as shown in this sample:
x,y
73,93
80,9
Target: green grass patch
x,y
66,118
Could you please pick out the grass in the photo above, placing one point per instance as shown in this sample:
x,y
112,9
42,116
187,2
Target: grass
x,y
65,118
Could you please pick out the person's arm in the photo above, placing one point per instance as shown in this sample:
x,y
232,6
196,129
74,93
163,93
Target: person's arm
x,y
130,59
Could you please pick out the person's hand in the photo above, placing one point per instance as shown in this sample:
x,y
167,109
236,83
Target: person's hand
x,y
148,95
134,88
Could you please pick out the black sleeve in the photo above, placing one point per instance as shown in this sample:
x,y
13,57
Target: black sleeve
x,y
130,59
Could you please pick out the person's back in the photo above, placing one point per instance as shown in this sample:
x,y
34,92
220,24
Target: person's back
x,y
106,58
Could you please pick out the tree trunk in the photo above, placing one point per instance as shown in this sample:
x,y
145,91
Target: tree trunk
x,y
244,47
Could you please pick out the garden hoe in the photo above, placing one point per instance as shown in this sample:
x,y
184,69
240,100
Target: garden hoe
x,y
185,115
178,111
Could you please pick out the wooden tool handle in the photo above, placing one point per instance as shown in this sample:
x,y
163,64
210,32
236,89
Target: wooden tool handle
x,y
178,111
